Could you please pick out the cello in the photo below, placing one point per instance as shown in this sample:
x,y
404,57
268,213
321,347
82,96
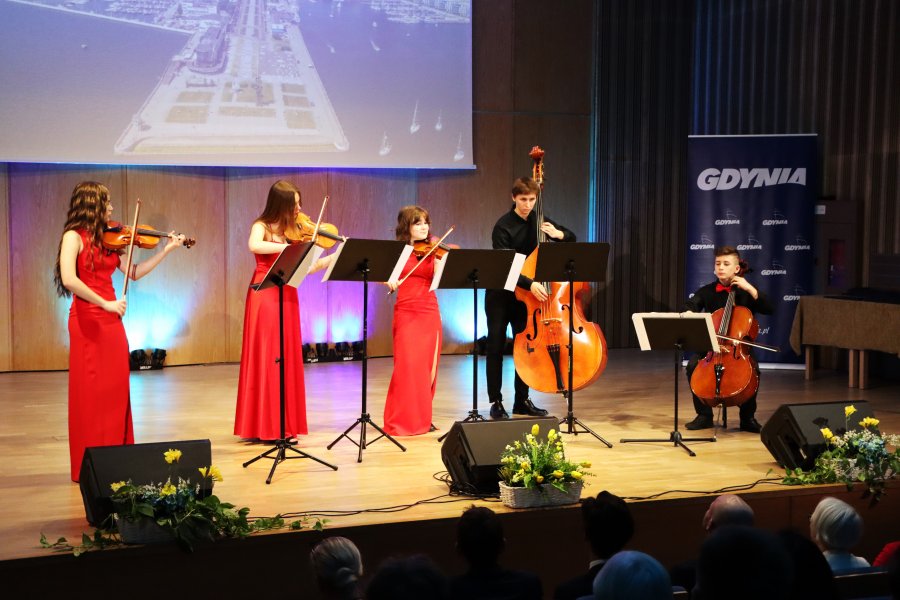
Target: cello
x,y
541,351
730,377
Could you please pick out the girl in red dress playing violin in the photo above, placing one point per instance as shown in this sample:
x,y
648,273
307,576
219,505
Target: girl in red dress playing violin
x,y
99,394
258,412
710,298
417,334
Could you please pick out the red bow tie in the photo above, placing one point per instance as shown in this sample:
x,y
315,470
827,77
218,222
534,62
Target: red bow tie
x,y
722,288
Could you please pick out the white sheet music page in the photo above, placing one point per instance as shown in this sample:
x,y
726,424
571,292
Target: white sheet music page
x,y
305,265
438,272
398,268
514,272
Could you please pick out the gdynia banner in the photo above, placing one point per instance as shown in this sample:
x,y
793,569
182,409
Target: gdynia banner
x,y
756,193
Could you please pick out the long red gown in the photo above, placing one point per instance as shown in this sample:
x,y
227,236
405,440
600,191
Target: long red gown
x,y
417,346
99,393
258,399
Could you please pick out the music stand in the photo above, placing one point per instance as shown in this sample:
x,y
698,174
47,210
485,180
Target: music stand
x,y
362,260
288,269
572,262
682,331
477,269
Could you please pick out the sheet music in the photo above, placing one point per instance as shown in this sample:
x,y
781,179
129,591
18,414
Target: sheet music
x,y
305,265
398,268
514,272
337,255
641,331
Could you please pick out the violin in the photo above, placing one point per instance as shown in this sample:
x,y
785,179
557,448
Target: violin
x,y
326,236
424,247
117,236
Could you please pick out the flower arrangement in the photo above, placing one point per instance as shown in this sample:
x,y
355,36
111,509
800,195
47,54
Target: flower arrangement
x,y
853,455
176,508
537,462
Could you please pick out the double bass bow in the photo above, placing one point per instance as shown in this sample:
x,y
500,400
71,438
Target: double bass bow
x,y
541,352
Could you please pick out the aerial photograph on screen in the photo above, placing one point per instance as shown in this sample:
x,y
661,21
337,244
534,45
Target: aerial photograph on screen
x,y
356,83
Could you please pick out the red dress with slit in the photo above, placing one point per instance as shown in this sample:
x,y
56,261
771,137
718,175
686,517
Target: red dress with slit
x,y
99,393
258,399
417,346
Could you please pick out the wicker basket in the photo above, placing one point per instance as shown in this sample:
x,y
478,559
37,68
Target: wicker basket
x,y
144,531
545,495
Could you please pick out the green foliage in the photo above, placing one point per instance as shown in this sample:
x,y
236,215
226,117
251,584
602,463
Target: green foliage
x,y
178,508
537,462
853,456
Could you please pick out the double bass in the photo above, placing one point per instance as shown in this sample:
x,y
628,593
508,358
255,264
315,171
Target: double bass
x,y
540,351
730,377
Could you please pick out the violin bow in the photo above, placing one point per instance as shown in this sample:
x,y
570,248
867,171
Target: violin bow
x,y
319,220
137,210
427,254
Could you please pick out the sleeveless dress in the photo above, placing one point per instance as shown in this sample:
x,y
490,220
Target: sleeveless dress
x,y
258,413
99,393
417,344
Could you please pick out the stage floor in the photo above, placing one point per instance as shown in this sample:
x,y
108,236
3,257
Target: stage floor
x,y
632,399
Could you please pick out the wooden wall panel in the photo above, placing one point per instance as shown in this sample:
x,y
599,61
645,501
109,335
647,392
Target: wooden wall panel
x,y
39,200
5,283
492,55
179,306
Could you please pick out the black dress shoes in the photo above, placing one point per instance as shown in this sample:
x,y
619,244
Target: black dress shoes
x,y
498,412
699,422
750,425
526,407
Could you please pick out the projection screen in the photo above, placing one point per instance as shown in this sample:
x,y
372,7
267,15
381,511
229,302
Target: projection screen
x,y
318,83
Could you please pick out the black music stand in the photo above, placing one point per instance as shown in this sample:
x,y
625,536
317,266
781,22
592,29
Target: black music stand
x,y
693,332
290,267
572,262
478,269
362,260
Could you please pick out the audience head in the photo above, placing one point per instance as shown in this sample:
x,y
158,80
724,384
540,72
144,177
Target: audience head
x,y
727,509
479,536
835,525
631,575
742,563
813,579
408,578
337,565
608,524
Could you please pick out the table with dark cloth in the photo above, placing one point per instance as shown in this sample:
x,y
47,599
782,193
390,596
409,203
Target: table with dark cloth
x,y
855,325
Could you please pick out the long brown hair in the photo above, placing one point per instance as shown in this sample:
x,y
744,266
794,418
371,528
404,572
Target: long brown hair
x,y
279,209
87,210
407,216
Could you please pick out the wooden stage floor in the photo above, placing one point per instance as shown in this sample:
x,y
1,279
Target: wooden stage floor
x,y
633,399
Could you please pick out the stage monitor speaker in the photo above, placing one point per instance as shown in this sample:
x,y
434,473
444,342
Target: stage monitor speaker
x,y
471,451
141,463
793,434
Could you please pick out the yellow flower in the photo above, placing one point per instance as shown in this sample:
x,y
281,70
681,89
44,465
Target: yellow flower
x,y
575,475
558,474
172,456
212,472
826,433
551,435
115,486
849,410
586,465
539,478
526,466
535,429
168,489
869,422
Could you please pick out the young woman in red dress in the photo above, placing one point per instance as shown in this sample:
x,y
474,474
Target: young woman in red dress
x,y
99,393
417,335
258,413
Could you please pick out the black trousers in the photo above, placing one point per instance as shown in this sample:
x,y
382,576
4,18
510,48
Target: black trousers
x,y
502,309
748,408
